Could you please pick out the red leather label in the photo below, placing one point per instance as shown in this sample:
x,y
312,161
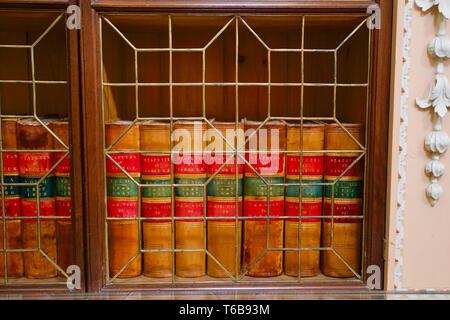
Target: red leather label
x,y
64,167
122,208
265,163
312,165
229,168
29,208
156,210
36,163
10,163
131,162
354,209
189,209
155,165
12,207
336,165
64,208
189,164
308,209
224,209
258,208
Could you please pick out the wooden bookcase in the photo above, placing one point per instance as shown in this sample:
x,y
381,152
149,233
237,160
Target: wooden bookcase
x,y
143,60
98,82
40,79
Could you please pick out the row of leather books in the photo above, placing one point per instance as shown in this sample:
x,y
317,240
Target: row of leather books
x,y
239,235
36,240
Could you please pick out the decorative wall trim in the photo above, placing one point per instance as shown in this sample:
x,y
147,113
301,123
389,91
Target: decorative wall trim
x,y
437,142
403,144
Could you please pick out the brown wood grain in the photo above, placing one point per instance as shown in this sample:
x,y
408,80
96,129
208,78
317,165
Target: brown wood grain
x,y
93,139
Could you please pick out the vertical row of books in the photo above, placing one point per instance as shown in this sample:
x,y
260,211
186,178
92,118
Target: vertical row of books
x,y
35,224
191,199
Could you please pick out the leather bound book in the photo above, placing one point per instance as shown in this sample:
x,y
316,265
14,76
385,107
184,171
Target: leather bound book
x,y
33,166
310,196
270,164
348,194
156,201
224,235
190,168
122,205
12,203
64,239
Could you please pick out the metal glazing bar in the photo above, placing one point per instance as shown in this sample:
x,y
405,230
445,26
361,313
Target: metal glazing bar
x,y
50,27
237,245
30,81
351,34
299,235
254,33
172,166
232,152
121,135
4,236
16,46
102,70
209,218
232,84
119,33
368,95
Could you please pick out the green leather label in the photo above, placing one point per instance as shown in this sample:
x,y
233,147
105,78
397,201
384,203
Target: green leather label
x,y
63,186
46,188
255,187
309,191
121,187
224,188
156,192
190,191
346,190
11,191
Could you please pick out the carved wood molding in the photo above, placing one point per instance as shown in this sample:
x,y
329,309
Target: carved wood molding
x,y
437,142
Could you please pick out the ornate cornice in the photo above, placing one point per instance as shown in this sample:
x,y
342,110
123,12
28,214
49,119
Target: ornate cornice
x,y
437,142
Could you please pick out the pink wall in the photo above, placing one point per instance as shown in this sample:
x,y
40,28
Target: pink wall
x,y
426,241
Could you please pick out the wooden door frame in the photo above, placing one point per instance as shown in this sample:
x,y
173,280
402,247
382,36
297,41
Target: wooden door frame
x,y
75,141
377,160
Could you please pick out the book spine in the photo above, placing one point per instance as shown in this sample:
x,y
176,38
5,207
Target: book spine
x,y
341,233
122,203
38,231
156,200
64,239
309,195
224,200
11,203
190,168
262,201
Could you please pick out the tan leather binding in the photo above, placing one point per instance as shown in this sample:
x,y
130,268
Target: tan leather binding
x,y
347,236
190,235
33,136
255,232
313,140
64,227
225,236
123,235
13,227
157,235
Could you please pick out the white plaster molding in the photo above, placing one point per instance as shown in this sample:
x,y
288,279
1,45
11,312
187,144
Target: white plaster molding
x,y
437,142
403,145
442,5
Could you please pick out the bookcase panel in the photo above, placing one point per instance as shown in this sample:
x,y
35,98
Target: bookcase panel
x,y
182,80
40,213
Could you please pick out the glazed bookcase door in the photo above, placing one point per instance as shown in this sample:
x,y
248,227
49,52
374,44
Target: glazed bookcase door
x,y
311,69
41,220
